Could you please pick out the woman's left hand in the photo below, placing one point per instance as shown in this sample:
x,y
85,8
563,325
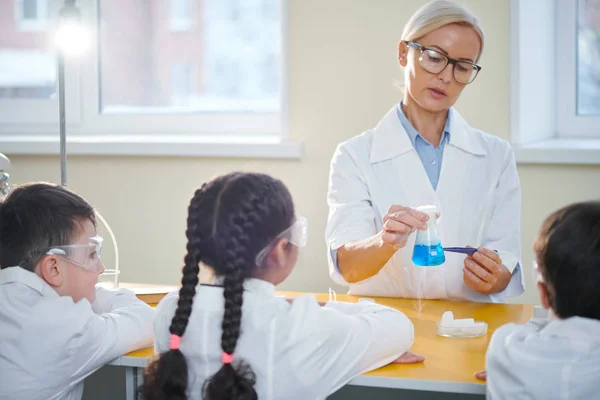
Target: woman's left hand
x,y
409,358
483,272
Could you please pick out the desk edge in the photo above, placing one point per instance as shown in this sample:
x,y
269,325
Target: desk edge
x,y
419,384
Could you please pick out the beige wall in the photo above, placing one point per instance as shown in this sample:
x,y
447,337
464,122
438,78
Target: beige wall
x,y
342,70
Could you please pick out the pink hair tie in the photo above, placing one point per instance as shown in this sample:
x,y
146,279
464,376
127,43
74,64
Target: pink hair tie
x,y
174,342
226,358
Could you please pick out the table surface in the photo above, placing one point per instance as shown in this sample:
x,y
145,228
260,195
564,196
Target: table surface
x,y
450,363
148,292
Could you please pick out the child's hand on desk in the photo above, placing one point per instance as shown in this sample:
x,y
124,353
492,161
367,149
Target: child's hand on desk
x,y
481,375
409,358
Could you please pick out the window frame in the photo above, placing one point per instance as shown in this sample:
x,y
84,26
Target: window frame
x,y
230,134
536,49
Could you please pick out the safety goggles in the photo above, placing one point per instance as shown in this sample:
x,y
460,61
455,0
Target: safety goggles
x,y
297,234
86,256
537,275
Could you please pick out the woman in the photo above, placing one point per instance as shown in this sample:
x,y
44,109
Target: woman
x,y
234,339
378,178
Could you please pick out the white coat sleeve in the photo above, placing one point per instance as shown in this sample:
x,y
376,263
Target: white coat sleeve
x,y
335,343
351,214
164,314
503,233
115,324
509,363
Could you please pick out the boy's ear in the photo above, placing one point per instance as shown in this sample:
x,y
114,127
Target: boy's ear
x,y
543,290
48,269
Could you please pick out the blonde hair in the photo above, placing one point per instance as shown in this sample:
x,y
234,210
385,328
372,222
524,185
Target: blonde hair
x,y
438,13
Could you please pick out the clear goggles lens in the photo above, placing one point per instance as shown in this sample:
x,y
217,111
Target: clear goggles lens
x,y
297,234
86,256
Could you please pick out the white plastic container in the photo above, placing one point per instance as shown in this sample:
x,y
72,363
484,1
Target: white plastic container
x,y
460,328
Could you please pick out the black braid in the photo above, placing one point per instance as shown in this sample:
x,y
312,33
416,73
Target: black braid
x,y
236,382
167,377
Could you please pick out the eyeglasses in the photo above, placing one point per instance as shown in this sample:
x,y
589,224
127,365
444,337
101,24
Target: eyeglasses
x,y
86,256
296,234
434,62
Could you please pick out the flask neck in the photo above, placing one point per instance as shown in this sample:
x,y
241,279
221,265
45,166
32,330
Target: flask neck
x,y
432,222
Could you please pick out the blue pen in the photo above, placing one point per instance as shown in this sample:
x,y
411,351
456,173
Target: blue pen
x,y
462,250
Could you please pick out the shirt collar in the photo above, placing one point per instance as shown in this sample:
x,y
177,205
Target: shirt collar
x,y
27,278
390,138
412,131
583,329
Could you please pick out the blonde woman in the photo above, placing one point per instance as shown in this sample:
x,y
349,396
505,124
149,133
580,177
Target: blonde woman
x,y
423,152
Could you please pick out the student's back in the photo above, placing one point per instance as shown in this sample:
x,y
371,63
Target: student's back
x,y
55,327
297,351
560,359
243,342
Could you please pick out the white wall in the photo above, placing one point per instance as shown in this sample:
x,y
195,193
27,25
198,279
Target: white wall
x,y
342,71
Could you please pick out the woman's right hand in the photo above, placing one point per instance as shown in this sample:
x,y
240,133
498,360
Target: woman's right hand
x,y
399,223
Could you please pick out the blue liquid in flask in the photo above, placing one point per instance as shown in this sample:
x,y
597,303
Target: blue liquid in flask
x,y
428,256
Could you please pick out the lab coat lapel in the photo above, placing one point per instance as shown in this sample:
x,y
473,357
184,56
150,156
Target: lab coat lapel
x,y
391,145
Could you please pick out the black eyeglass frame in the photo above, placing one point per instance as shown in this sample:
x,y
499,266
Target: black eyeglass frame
x,y
449,60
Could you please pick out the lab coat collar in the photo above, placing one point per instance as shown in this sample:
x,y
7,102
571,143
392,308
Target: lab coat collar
x,y
27,278
252,285
583,329
259,286
391,140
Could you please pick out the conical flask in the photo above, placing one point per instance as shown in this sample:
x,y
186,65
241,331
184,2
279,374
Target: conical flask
x,y
428,250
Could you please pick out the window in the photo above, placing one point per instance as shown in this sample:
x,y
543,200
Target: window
x,y
31,15
27,73
234,89
28,69
588,58
143,81
578,68
27,65
555,81
181,84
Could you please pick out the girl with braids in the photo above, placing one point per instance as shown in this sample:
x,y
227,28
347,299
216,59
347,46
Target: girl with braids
x,y
233,338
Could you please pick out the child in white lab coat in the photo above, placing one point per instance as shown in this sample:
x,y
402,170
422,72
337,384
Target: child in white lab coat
x,y
560,359
56,328
234,339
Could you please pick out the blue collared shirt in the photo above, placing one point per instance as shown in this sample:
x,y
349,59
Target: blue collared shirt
x,y
431,157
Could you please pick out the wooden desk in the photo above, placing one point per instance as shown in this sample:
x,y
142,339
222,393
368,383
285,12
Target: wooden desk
x,y
147,292
449,364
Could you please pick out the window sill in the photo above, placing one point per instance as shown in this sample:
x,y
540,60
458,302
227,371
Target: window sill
x,y
559,151
156,145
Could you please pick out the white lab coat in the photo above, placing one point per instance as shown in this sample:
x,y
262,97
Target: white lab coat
x,y
297,351
478,194
49,344
559,361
